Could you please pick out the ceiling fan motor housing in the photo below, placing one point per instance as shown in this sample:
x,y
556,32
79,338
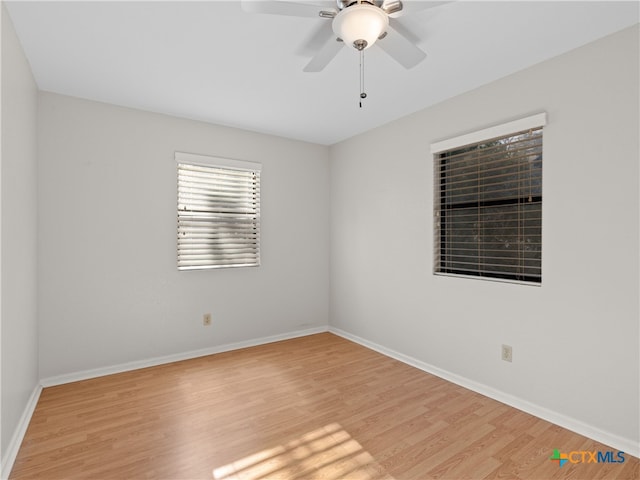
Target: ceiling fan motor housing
x,y
360,25
342,4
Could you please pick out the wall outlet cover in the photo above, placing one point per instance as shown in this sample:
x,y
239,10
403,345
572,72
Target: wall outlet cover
x,y
507,353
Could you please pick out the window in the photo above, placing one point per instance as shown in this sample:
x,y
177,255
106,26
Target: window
x,y
488,203
218,212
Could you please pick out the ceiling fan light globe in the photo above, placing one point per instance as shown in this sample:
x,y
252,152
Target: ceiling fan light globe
x,y
360,22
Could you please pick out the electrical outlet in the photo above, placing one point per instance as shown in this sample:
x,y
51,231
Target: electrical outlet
x,y
206,319
507,353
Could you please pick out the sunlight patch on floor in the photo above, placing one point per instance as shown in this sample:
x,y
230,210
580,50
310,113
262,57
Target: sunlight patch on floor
x,y
328,452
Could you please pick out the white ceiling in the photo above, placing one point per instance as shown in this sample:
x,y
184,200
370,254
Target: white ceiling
x,y
211,61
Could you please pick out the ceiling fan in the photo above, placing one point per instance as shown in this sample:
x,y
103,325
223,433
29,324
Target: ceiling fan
x,y
357,23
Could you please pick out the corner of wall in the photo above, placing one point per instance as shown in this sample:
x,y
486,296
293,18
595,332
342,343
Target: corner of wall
x,y
19,385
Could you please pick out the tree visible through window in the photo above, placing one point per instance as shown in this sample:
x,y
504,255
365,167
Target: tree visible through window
x,y
488,208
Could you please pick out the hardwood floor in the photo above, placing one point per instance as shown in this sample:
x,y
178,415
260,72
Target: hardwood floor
x,y
314,407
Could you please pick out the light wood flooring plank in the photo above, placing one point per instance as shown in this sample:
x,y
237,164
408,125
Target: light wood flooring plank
x,y
317,407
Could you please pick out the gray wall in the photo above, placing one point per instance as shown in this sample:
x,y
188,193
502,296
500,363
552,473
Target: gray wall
x,y
575,339
19,232
109,288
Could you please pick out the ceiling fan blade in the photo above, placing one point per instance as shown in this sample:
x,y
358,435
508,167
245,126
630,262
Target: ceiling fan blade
x,y
317,39
274,7
400,48
409,7
321,59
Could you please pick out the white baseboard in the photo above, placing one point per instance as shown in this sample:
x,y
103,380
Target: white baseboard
x,y
615,441
18,434
152,362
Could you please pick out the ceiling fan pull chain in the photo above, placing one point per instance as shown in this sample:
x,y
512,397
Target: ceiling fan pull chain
x,y
362,93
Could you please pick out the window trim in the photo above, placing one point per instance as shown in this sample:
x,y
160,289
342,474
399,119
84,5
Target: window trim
x,y
530,122
533,121
224,164
209,161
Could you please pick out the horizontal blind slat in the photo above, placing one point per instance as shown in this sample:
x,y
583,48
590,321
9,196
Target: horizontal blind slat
x,y
495,157
218,217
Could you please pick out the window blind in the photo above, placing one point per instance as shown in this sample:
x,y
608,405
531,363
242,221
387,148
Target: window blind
x,y
488,208
218,216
